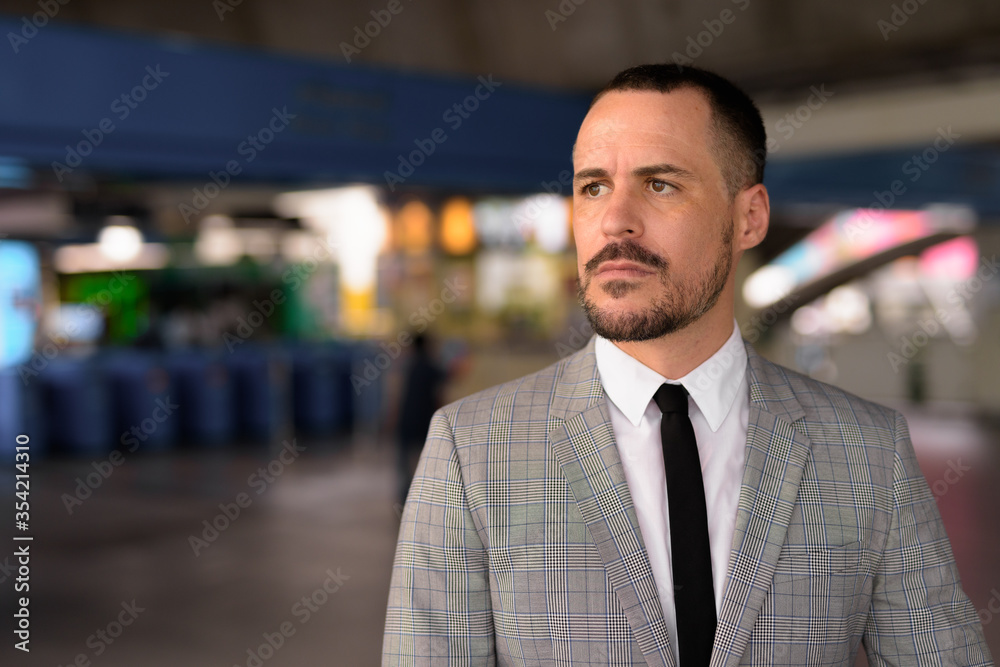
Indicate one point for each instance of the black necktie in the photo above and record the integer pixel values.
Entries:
(694, 598)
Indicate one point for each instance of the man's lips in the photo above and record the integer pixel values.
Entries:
(618, 269)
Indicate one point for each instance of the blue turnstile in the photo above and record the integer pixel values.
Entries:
(76, 408)
(314, 389)
(366, 401)
(20, 415)
(143, 406)
(261, 401)
(203, 392)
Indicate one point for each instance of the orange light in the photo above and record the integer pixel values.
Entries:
(458, 233)
(414, 226)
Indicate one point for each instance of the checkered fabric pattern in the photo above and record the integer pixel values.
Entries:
(519, 542)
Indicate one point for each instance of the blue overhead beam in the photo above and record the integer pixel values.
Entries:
(899, 178)
(166, 108)
(68, 90)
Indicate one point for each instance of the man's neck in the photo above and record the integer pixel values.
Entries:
(675, 355)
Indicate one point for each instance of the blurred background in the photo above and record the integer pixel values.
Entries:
(236, 234)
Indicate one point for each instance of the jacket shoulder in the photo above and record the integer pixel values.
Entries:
(821, 402)
(530, 395)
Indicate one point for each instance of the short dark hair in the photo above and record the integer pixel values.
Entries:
(739, 136)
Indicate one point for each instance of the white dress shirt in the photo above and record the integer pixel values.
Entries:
(719, 408)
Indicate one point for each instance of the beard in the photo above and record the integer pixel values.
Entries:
(677, 306)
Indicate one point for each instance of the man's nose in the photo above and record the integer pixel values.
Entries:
(621, 218)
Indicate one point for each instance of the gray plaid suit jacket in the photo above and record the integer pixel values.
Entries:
(519, 543)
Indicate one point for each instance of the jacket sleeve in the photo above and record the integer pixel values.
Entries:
(439, 610)
(919, 613)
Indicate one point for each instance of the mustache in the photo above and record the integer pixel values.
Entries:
(627, 250)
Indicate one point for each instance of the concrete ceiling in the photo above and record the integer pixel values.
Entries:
(767, 45)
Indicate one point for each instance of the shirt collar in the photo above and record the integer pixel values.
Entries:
(630, 385)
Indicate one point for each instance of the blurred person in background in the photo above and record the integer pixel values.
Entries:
(666, 496)
(422, 391)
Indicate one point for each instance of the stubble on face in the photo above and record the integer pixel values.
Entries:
(678, 304)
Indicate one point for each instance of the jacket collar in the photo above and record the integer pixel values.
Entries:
(776, 455)
(584, 444)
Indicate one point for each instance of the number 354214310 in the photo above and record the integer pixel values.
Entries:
(22, 485)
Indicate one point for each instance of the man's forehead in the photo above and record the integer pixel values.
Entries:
(636, 119)
(636, 141)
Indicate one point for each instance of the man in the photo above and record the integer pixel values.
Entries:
(554, 520)
(423, 385)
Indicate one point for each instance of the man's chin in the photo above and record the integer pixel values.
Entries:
(623, 327)
(620, 297)
(619, 308)
(631, 318)
(617, 290)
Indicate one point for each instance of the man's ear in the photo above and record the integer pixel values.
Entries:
(753, 213)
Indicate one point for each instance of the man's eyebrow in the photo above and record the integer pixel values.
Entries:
(594, 172)
(664, 169)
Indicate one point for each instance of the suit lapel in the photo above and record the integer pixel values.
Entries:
(584, 445)
(776, 454)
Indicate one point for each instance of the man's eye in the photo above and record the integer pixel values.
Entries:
(593, 190)
(659, 186)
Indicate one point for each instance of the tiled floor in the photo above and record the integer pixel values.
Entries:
(322, 530)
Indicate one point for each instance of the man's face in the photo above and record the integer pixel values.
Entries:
(652, 218)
